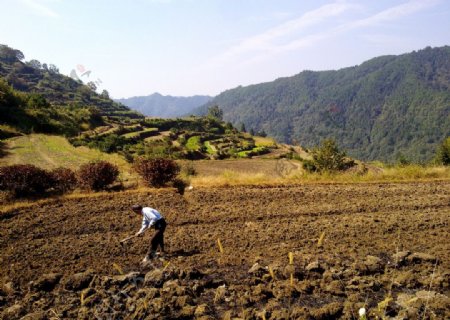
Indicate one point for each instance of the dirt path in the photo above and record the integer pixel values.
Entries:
(44, 154)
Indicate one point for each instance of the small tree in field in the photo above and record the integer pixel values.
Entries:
(328, 158)
(97, 175)
(443, 153)
(157, 172)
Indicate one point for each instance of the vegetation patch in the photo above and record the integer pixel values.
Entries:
(157, 172)
(194, 143)
(97, 175)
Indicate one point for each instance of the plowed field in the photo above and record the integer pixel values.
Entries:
(384, 247)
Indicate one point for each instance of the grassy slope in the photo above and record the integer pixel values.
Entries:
(50, 152)
(54, 151)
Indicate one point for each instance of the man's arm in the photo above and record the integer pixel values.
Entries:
(145, 225)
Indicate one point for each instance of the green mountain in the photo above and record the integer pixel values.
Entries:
(157, 105)
(34, 96)
(385, 108)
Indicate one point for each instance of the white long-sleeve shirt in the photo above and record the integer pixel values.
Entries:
(149, 217)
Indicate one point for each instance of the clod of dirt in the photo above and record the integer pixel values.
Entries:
(305, 286)
(154, 278)
(281, 314)
(315, 266)
(362, 283)
(8, 289)
(406, 279)
(173, 288)
(412, 304)
(261, 291)
(370, 265)
(79, 281)
(300, 313)
(39, 315)
(190, 274)
(329, 311)
(46, 283)
(335, 287)
(400, 257)
(183, 301)
(13, 312)
(188, 311)
(89, 297)
(200, 310)
(288, 270)
(419, 257)
(124, 279)
(257, 270)
(442, 280)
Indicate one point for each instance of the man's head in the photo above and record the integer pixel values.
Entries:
(137, 208)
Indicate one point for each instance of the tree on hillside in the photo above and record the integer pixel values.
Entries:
(10, 55)
(443, 153)
(92, 85)
(243, 127)
(262, 133)
(215, 112)
(53, 69)
(105, 94)
(35, 64)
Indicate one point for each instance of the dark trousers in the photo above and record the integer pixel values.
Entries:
(158, 237)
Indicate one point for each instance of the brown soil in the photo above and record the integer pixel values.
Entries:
(384, 247)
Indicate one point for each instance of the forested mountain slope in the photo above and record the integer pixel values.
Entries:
(387, 107)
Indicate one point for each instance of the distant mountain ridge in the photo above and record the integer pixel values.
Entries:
(157, 105)
(385, 108)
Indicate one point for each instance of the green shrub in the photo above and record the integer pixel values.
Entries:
(157, 172)
(328, 158)
(443, 153)
(309, 166)
(97, 175)
(25, 180)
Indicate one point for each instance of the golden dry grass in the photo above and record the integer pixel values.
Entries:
(270, 176)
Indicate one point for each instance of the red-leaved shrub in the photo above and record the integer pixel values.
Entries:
(157, 172)
(97, 175)
(25, 180)
(180, 185)
(64, 180)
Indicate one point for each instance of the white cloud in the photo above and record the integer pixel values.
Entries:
(263, 46)
(393, 13)
(263, 41)
(39, 8)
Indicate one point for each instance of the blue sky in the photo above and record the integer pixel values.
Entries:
(187, 47)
